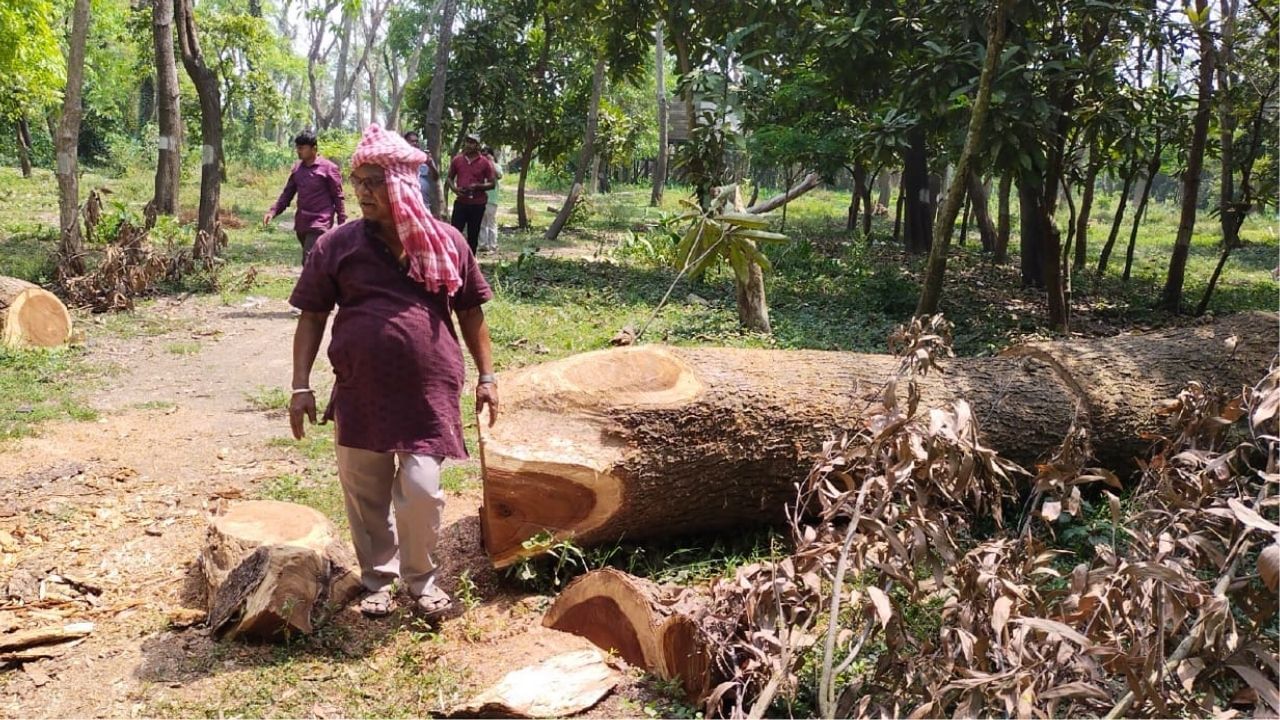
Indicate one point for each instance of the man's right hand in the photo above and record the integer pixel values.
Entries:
(303, 403)
(266, 219)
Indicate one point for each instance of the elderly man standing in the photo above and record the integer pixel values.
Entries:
(318, 184)
(397, 276)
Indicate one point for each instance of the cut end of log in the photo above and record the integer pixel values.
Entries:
(548, 466)
(561, 686)
(633, 618)
(31, 316)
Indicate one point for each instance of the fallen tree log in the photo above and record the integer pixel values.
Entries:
(274, 568)
(648, 441)
(31, 316)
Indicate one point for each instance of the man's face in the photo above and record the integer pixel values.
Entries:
(306, 153)
(470, 146)
(370, 183)
(412, 139)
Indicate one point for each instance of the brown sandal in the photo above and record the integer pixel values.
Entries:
(434, 602)
(376, 604)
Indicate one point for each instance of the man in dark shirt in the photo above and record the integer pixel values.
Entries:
(398, 278)
(470, 176)
(318, 184)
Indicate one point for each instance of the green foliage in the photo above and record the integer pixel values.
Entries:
(32, 71)
(722, 235)
(36, 386)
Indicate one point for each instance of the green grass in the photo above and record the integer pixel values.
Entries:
(268, 398)
(41, 385)
(182, 348)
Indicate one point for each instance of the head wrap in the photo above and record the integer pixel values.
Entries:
(432, 253)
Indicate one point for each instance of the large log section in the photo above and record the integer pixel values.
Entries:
(31, 316)
(648, 441)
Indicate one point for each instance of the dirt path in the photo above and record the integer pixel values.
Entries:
(119, 506)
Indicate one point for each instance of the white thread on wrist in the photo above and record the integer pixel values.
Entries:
(299, 391)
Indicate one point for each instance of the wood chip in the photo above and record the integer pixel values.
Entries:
(564, 685)
(44, 636)
(38, 676)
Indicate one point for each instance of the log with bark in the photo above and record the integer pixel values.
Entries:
(274, 568)
(31, 316)
(649, 441)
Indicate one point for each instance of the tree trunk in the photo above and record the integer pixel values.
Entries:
(208, 232)
(1105, 255)
(1086, 208)
(981, 212)
(24, 146)
(660, 76)
(588, 152)
(1031, 247)
(753, 310)
(884, 186)
(67, 143)
(1003, 220)
(168, 165)
(898, 209)
(917, 213)
(809, 182)
(522, 213)
(272, 569)
(964, 221)
(655, 441)
(866, 209)
(855, 196)
(1171, 298)
(1139, 213)
(31, 316)
(1230, 211)
(931, 293)
(435, 106)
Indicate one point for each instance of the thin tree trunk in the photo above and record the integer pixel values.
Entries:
(435, 106)
(1105, 255)
(1086, 208)
(917, 215)
(866, 208)
(981, 213)
(70, 242)
(898, 208)
(1171, 298)
(1064, 267)
(1003, 220)
(1139, 213)
(964, 219)
(931, 293)
(588, 151)
(168, 164)
(1031, 241)
(210, 94)
(24, 146)
(522, 213)
(660, 77)
(859, 173)
(884, 187)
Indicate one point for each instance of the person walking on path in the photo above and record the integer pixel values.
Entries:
(471, 175)
(427, 172)
(398, 277)
(489, 227)
(318, 184)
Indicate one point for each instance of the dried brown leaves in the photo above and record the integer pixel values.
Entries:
(907, 594)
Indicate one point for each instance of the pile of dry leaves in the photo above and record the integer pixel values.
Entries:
(911, 593)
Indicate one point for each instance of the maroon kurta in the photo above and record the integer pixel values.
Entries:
(472, 171)
(320, 198)
(396, 359)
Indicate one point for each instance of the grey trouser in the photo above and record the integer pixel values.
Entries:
(394, 504)
(308, 241)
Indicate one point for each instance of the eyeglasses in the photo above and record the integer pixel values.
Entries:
(367, 184)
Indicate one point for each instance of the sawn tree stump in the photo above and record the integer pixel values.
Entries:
(648, 441)
(31, 316)
(274, 568)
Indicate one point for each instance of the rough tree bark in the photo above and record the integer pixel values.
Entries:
(931, 293)
(210, 94)
(67, 142)
(649, 441)
(981, 212)
(31, 316)
(917, 213)
(1171, 297)
(1003, 219)
(435, 105)
(588, 152)
(1086, 207)
(1130, 172)
(272, 569)
(660, 77)
(168, 163)
(23, 137)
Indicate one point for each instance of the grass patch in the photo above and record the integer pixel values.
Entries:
(268, 399)
(182, 348)
(41, 385)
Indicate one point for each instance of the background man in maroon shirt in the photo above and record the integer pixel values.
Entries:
(470, 176)
(318, 184)
(398, 277)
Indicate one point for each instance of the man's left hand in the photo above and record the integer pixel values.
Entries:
(487, 395)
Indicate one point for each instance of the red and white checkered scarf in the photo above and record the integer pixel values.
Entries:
(433, 256)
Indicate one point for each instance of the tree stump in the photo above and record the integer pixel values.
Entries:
(274, 568)
(31, 316)
(651, 441)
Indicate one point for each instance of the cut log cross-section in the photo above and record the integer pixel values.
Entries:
(649, 626)
(31, 316)
(274, 568)
(648, 441)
